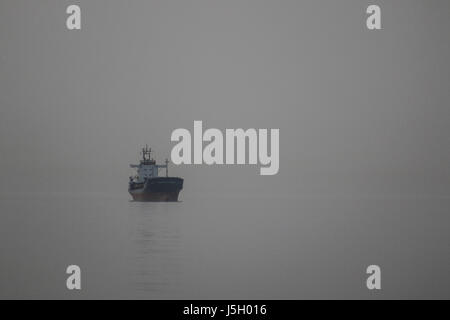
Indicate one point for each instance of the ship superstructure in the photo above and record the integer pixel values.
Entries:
(147, 185)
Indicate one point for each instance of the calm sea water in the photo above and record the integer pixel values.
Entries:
(223, 247)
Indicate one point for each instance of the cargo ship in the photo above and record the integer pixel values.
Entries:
(147, 185)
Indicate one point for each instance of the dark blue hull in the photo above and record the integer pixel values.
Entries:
(160, 189)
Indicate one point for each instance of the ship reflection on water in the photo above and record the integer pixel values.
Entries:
(157, 250)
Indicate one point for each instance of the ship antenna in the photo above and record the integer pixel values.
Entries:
(146, 152)
(167, 167)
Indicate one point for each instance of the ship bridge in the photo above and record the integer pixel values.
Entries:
(147, 168)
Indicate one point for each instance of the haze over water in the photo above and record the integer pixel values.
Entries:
(222, 247)
(364, 124)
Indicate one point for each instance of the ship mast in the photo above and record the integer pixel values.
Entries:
(146, 153)
(167, 167)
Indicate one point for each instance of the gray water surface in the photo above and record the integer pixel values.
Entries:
(223, 247)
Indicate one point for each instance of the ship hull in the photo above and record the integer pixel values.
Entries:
(161, 189)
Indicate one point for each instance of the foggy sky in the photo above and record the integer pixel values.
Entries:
(358, 111)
